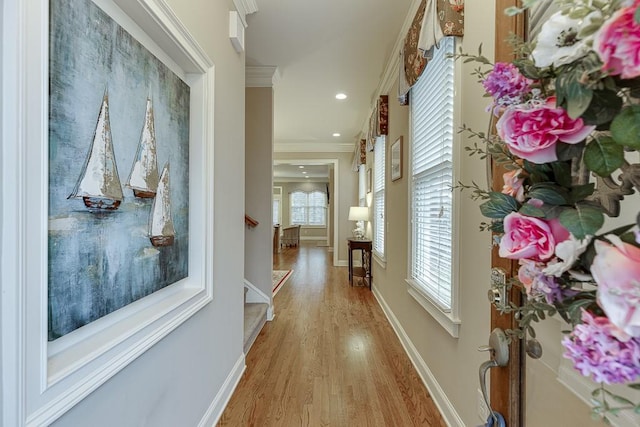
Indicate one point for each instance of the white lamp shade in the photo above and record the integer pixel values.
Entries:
(358, 213)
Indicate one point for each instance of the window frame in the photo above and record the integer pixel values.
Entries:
(379, 190)
(448, 318)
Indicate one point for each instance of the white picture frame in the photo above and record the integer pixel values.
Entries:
(42, 380)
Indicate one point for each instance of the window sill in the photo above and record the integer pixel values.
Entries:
(380, 260)
(447, 320)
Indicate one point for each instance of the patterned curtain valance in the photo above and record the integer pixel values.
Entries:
(379, 121)
(360, 155)
(434, 20)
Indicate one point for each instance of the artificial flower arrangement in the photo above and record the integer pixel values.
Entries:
(568, 123)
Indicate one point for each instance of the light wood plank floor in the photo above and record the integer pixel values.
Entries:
(329, 358)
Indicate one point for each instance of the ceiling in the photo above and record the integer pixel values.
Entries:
(321, 48)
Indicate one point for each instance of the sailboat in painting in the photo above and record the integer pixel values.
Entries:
(143, 179)
(99, 182)
(161, 230)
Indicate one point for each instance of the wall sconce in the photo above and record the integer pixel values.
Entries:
(360, 214)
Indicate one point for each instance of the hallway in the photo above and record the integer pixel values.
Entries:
(329, 357)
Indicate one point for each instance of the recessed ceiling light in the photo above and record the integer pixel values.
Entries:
(336, 134)
(341, 96)
(307, 177)
(301, 167)
(304, 173)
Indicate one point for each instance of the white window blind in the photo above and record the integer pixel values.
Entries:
(276, 211)
(298, 210)
(432, 177)
(308, 208)
(317, 208)
(378, 195)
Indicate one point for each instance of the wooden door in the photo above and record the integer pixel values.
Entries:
(507, 383)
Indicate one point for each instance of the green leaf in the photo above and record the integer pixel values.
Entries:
(499, 205)
(562, 173)
(581, 192)
(530, 210)
(625, 128)
(551, 195)
(636, 16)
(603, 156)
(621, 400)
(572, 95)
(582, 221)
(569, 151)
(604, 106)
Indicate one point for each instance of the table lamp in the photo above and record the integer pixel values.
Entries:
(360, 214)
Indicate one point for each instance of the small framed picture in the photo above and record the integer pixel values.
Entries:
(396, 159)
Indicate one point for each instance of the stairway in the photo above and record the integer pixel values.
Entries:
(255, 316)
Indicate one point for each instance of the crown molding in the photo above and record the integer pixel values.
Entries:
(244, 8)
(312, 147)
(393, 62)
(266, 76)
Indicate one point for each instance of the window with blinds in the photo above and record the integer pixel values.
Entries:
(432, 177)
(378, 195)
(308, 208)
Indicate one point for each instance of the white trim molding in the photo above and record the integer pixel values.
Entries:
(219, 403)
(446, 408)
(312, 147)
(41, 380)
(244, 8)
(261, 76)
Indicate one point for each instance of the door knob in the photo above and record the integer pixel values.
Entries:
(499, 356)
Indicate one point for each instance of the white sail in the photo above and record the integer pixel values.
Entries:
(161, 230)
(99, 178)
(143, 178)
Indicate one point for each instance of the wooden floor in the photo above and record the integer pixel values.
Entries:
(329, 358)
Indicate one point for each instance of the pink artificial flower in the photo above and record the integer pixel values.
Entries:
(618, 44)
(616, 270)
(513, 184)
(506, 85)
(598, 349)
(530, 238)
(531, 131)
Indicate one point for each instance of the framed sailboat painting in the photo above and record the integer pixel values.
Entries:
(117, 231)
(109, 220)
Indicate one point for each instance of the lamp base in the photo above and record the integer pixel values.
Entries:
(358, 233)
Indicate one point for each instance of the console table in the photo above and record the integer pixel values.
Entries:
(364, 246)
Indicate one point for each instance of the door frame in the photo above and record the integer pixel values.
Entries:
(507, 383)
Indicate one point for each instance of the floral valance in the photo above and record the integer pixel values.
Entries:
(434, 20)
(360, 155)
(379, 121)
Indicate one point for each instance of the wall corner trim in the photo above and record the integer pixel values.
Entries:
(441, 400)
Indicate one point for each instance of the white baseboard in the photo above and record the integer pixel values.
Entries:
(214, 412)
(446, 408)
(271, 313)
(313, 238)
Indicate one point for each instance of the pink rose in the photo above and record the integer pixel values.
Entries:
(513, 185)
(531, 132)
(618, 44)
(529, 237)
(616, 269)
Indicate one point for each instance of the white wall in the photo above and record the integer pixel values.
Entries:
(258, 259)
(176, 381)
